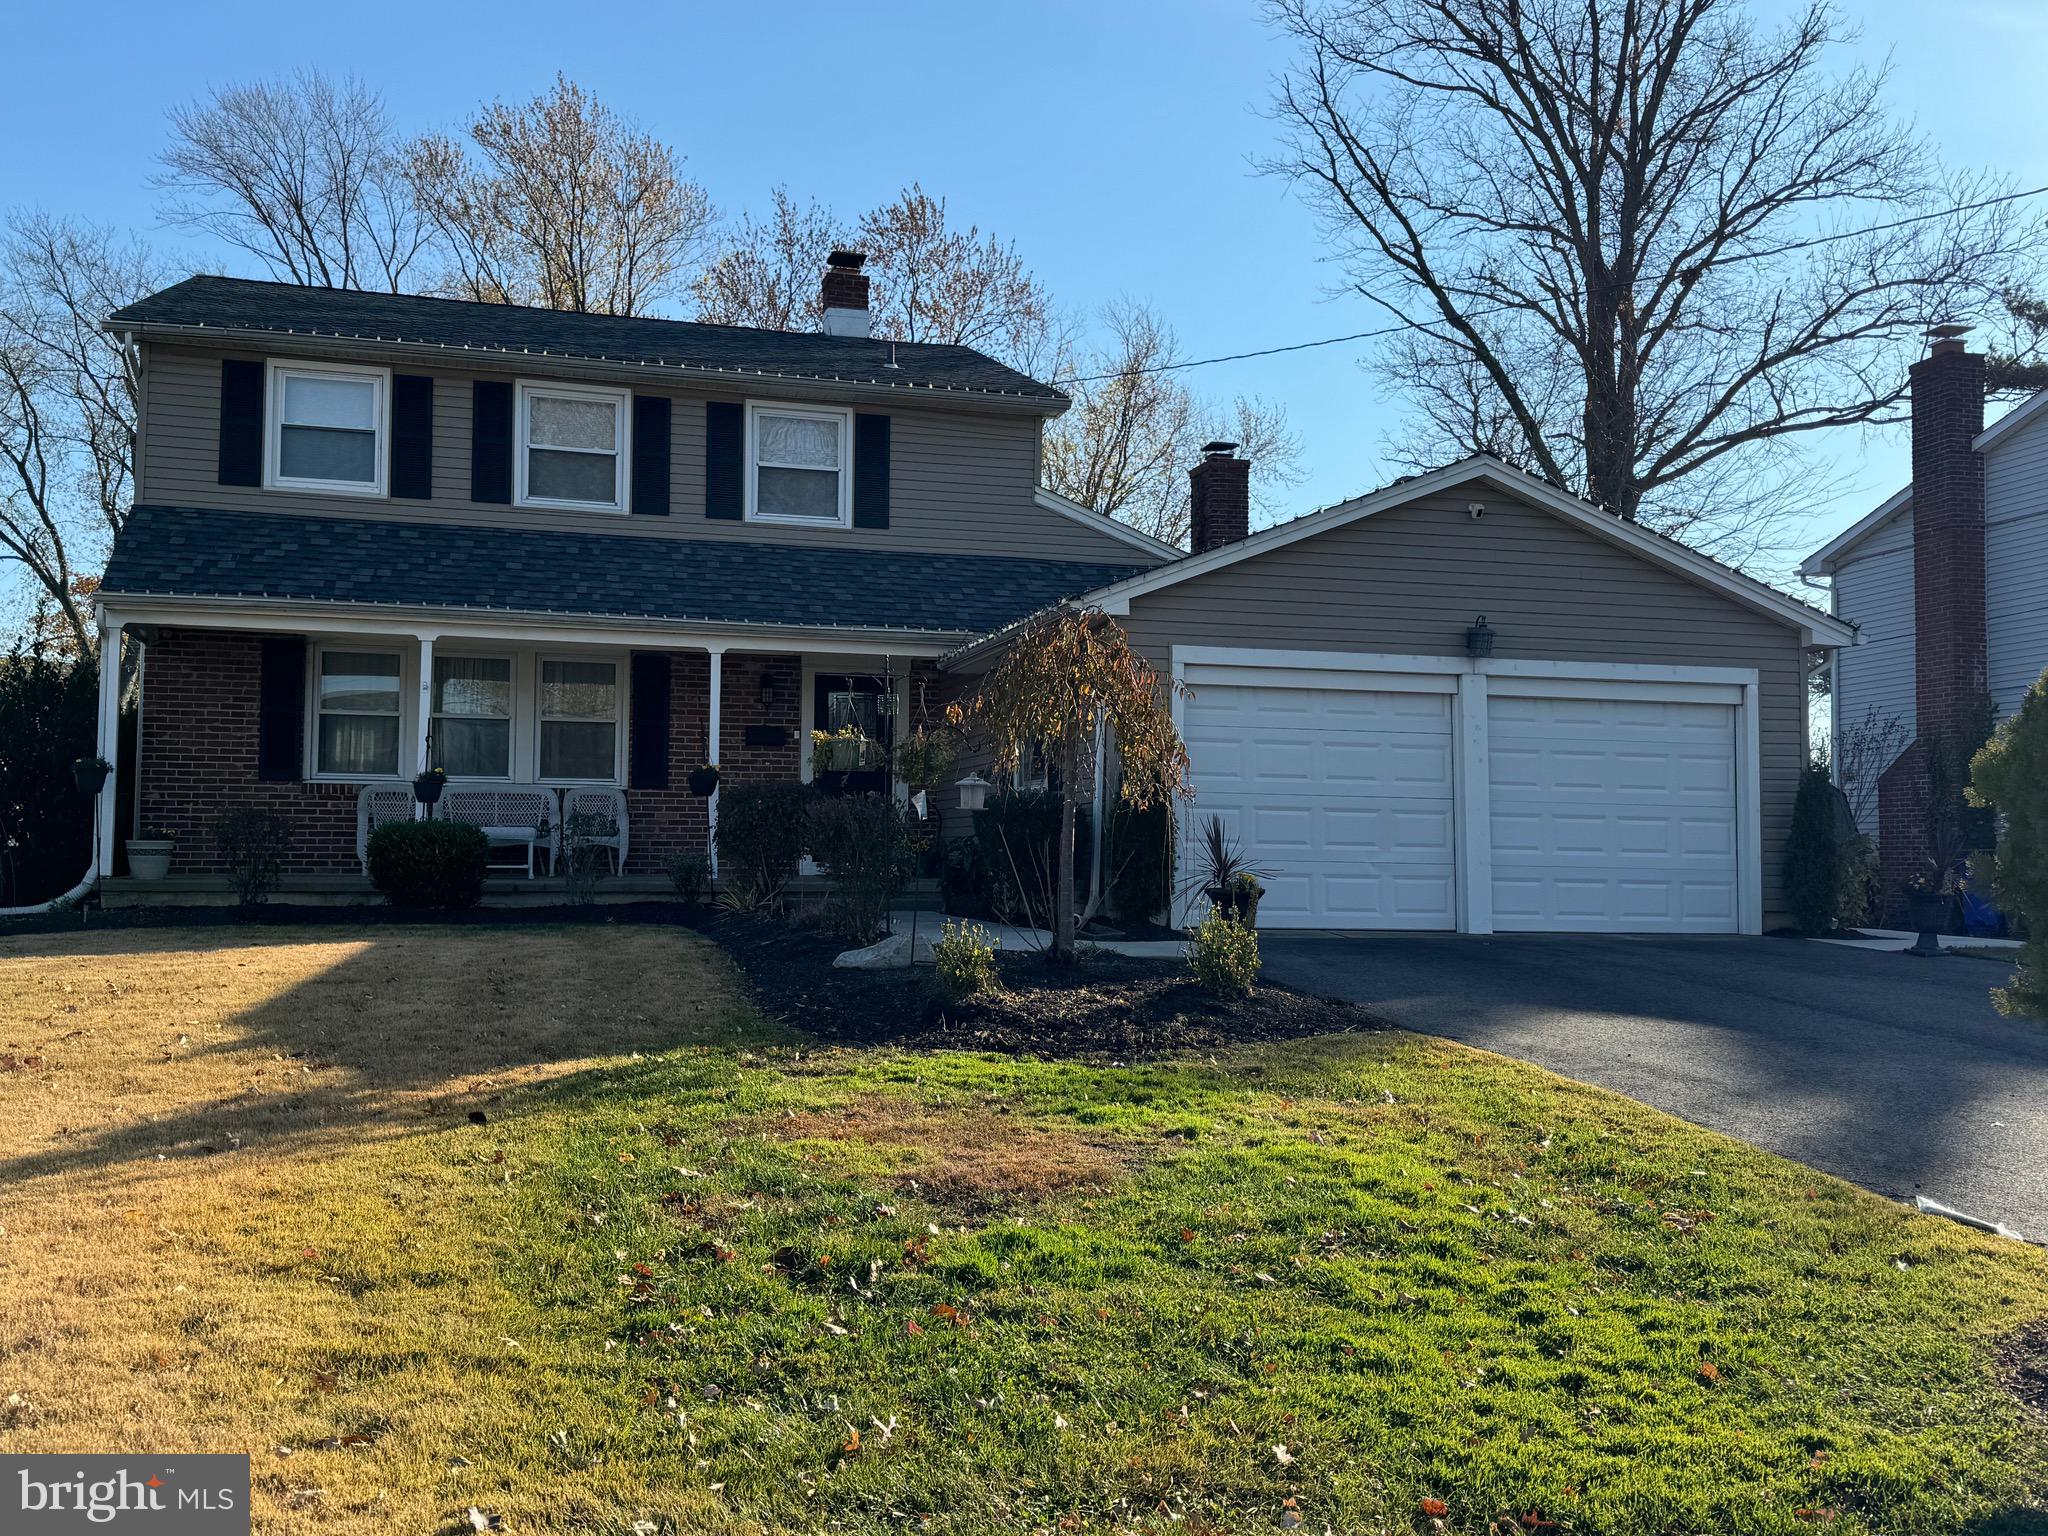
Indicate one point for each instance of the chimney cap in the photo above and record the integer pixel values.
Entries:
(845, 260)
(1218, 449)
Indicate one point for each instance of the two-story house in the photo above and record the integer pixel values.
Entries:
(1947, 583)
(567, 554)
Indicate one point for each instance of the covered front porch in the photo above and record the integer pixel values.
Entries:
(327, 718)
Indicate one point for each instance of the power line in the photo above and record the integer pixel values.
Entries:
(1411, 325)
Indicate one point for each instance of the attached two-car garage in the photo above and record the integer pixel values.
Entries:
(1436, 793)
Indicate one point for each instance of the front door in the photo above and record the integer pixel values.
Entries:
(851, 708)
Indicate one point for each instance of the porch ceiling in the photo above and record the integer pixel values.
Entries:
(191, 552)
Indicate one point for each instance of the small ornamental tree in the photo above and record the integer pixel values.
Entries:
(2011, 773)
(1064, 677)
(1812, 859)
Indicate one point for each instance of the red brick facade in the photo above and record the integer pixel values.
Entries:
(198, 754)
(1219, 498)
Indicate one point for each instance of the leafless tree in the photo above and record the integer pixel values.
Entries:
(1598, 221)
(1861, 751)
(301, 173)
(560, 202)
(67, 403)
(1136, 429)
(766, 274)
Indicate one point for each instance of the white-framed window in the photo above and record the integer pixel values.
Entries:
(357, 704)
(472, 723)
(571, 447)
(799, 465)
(329, 426)
(579, 720)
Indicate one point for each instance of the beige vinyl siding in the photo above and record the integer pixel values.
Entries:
(2016, 562)
(959, 482)
(1409, 580)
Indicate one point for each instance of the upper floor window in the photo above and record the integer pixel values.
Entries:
(572, 447)
(328, 428)
(798, 461)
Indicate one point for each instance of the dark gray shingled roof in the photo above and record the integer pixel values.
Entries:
(238, 304)
(192, 552)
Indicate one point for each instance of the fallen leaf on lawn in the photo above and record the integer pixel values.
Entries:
(852, 1441)
(1436, 1509)
(479, 1521)
(1290, 1514)
(1282, 1455)
(1709, 1372)
(1187, 1234)
(910, 1326)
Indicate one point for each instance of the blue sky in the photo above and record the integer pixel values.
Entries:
(1114, 143)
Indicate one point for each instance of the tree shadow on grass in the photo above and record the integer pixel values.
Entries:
(129, 1048)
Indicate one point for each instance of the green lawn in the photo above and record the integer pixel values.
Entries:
(714, 1279)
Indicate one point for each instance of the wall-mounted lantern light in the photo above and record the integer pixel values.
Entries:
(973, 792)
(768, 690)
(1479, 638)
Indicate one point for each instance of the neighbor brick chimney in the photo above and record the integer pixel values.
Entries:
(845, 292)
(1948, 534)
(1219, 498)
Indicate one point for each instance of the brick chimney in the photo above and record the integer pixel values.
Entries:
(1948, 534)
(1219, 498)
(845, 292)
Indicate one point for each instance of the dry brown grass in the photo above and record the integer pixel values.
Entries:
(218, 1146)
(971, 1158)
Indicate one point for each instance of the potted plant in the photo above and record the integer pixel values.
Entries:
(837, 751)
(704, 781)
(427, 787)
(150, 849)
(1927, 903)
(89, 773)
(1224, 875)
(924, 757)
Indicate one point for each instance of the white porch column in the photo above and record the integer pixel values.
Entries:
(711, 754)
(109, 741)
(423, 726)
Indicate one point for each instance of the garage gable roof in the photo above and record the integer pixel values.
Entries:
(1819, 628)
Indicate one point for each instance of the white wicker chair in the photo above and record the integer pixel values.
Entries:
(375, 805)
(510, 815)
(609, 804)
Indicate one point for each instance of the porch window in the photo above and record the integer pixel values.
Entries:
(357, 701)
(799, 466)
(572, 447)
(579, 720)
(473, 716)
(328, 429)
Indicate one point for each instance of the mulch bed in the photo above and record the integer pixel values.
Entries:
(1110, 1006)
(2023, 1365)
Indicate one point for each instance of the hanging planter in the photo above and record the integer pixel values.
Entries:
(704, 781)
(427, 787)
(89, 773)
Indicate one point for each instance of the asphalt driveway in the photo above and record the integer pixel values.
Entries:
(1892, 1071)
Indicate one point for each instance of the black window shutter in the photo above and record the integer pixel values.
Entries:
(648, 768)
(412, 436)
(725, 452)
(241, 422)
(490, 442)
(281, 710)
(650, 454)
(870, 471)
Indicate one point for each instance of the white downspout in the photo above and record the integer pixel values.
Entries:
(108, 747)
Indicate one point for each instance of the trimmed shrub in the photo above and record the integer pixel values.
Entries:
(48, 717)
(859, 843)
(252, 844)
(690, 873)
(429, 863)
(761, 834)
(1139, 861)
(1224, 956)
(1859, 883)
(1018, 834)
(2010, 772)
(1812, 856)
(966, 959)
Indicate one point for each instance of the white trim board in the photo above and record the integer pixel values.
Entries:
(1815, 627)
(2011, 421)
(1088, 517)
(1821, 561)
(1473, 683)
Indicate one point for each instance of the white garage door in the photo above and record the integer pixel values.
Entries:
(1612, 815)
(1346, 794)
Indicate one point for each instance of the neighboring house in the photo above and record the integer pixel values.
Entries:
(1947, 584)
(563, 553)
